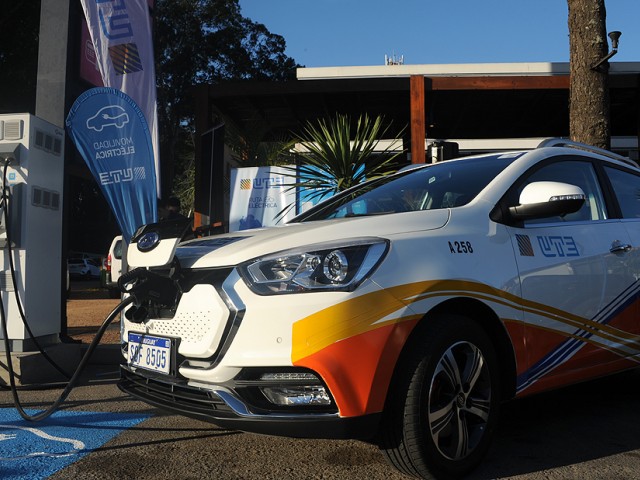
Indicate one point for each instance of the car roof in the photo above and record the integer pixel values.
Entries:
(562, 142)
(577, 147)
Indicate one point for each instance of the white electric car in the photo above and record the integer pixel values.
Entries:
(83, 268)
(405, 309)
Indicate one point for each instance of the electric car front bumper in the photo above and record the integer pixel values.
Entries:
(223, 406)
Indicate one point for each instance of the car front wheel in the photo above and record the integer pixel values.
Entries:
(444, 402)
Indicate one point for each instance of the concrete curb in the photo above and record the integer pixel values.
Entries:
(33, 368)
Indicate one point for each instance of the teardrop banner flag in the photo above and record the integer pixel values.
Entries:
(121, 35)
(111, 133)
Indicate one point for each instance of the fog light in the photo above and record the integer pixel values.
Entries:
(297, 395)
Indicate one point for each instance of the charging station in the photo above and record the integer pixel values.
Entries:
(34, 150)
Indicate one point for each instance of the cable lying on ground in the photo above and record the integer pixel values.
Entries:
(76, 376)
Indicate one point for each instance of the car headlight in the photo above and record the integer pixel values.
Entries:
(336, 267)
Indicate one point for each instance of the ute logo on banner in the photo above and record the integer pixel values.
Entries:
(259, 195)
(112, 136)
(121, 36)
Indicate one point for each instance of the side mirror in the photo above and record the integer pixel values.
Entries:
(547, 199)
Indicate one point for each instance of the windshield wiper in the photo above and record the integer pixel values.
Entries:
(370, 214)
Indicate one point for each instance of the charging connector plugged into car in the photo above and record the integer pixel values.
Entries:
(148, 288)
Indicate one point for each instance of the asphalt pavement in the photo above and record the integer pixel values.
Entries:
(587, 431)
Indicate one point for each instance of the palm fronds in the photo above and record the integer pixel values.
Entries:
(334, 156)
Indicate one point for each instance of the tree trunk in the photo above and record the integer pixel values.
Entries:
(589, 98)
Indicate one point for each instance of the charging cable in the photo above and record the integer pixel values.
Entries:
(76, 376)
(5, 203)
(140, 287)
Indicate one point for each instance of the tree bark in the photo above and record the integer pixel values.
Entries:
(589, 91)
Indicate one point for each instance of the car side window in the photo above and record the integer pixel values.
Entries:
(581, 174)
(626, 187)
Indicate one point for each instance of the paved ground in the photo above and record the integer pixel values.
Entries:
(589, 431)
(584, 432)
(87, 307)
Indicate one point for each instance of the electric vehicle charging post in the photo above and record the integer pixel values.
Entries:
(32, 166)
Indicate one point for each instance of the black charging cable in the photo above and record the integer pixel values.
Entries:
(76, 376)
(6, 203)
(140, 287)
(73, 380)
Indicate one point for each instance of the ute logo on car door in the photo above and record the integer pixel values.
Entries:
(567, 265)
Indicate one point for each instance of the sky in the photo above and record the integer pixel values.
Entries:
(327, 33)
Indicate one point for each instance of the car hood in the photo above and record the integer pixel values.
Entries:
(235, 248)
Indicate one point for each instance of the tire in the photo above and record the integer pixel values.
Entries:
(443, 404)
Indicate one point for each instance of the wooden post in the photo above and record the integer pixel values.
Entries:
(202, 124)
(418, 130)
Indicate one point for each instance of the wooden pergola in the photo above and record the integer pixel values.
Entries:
(432, 102)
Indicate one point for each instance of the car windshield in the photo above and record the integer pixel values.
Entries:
(442, 185)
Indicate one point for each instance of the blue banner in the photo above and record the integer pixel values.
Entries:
(123, 47)
(112, 136)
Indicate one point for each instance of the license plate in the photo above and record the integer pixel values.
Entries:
(151, 353)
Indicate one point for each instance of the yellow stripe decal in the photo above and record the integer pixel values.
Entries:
(366, 312)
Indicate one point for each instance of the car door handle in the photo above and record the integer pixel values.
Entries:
(619, 247)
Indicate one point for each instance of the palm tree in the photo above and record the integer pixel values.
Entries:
(334, 156)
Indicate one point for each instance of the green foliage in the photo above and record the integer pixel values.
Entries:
(339, 154)
(249, 148)
(208, 41)
(184, 179)
(205, 41)
(338, 157)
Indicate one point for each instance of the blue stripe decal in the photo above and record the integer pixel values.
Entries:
(571, 346)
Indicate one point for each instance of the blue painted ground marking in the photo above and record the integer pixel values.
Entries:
(35, 450)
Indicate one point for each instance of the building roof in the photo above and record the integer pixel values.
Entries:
(538, 69)
(461, 100)
(468, 101)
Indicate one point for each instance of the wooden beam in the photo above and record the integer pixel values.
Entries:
(559, 82)
(418, 129)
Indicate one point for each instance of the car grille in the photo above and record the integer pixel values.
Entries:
(179, 398)
(193, 327)
(190, 327)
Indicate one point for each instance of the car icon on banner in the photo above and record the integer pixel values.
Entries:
(112, 115)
